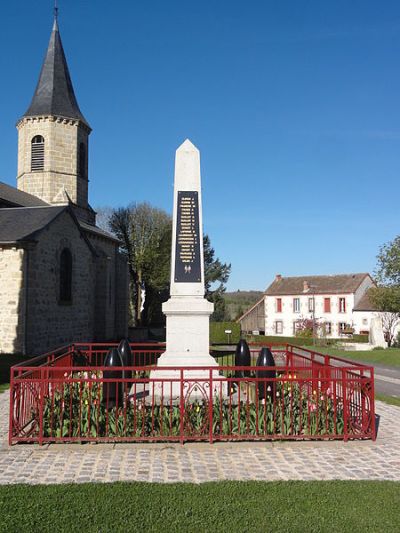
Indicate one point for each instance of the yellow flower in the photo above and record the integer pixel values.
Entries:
(197, 409)
(294, 376)
(86, 402)
(314, 392)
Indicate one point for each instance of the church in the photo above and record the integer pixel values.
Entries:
(62, 278)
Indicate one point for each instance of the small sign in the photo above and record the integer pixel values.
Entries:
(228, 331)
(187, 254)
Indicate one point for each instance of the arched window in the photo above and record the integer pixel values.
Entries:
(37, 153)
(65, 276)
(82, 160)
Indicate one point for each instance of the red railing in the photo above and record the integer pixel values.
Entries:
(310, 396)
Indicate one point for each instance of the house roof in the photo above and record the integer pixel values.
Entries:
(365, 304)
(258, 302)
(54, 94)
(16, 198)
(336, 284)
(23, 223)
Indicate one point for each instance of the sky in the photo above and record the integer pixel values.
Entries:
(294, 106)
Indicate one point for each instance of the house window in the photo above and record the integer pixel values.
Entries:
(310, 305)
(328, 328)
(365, 321)
(82, 160)
(279, 327)
(66, 276)
(327, 305)
(37, 153)
(342, 327)
(342, 305)
(294, 327)
(296, 305)
(278, 305)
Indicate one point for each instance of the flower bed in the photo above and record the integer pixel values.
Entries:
(308, 398)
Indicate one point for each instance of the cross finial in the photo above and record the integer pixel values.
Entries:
(55, 10)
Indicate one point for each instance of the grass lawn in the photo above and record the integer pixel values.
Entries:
(390, 356)
(392, 400)
(225, 506)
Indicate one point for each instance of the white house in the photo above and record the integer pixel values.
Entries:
(339, 302)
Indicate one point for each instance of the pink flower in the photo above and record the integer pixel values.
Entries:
(312, 407)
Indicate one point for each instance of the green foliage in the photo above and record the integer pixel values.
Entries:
(304, 341)
(218, 335)
(391, 400)
(77, 409)
(226, 506)
(216, 275)
(388, 356)
(236, 303)
(387, 271)
(145, 233)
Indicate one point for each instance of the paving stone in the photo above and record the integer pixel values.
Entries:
(202, 462)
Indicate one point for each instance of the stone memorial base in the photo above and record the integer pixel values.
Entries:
(187, 346)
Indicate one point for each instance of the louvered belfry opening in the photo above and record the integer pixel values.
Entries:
(37, 153)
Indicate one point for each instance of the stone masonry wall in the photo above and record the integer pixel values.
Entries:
(51, 323)
(12, 309)
(61, 158)
(111, 310)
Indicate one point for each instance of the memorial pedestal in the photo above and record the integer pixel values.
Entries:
(187, 311)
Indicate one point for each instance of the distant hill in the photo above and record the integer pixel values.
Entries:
(239, 301)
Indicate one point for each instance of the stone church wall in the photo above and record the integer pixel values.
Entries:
(51, 323)
(111, 279)
(12, 301)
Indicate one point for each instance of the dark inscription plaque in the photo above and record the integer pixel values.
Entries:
(187, 256)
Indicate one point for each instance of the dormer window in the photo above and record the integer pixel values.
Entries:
(82, 160)
(37, 153)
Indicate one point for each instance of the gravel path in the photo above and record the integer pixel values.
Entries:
(166, 463)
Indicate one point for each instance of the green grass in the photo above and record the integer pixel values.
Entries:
(336, 506)
(390, 356)
(391, 400)
(4, 387)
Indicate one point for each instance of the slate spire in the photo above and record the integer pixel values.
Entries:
(54, 94)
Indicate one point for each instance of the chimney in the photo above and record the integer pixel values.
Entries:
(306, 286)
(278, 277)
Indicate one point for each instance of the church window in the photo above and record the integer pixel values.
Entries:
(82, 160)
(65, 276)
(37, 153)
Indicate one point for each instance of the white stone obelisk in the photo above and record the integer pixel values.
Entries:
(187, 311)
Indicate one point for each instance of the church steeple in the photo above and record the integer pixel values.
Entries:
(54, 94)
(53, 137)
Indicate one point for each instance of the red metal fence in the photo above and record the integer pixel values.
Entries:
(310, 396)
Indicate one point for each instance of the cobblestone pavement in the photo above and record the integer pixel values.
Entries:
(201, 462)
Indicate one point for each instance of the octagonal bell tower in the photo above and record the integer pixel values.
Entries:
(53, 137)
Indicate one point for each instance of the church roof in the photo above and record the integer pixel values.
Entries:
(15, 198)
(54, 94)
(97, 231)
(22, 223)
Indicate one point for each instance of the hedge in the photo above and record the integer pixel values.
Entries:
(305, 341)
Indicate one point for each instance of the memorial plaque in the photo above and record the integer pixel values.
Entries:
(187, 256)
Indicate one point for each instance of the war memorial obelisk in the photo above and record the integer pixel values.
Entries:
(187, 311)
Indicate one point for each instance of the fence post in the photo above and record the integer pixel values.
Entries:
(10, 428)
(210, 409)
(372, 403)
(41, 404)
(345, 407)
(181, 407)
